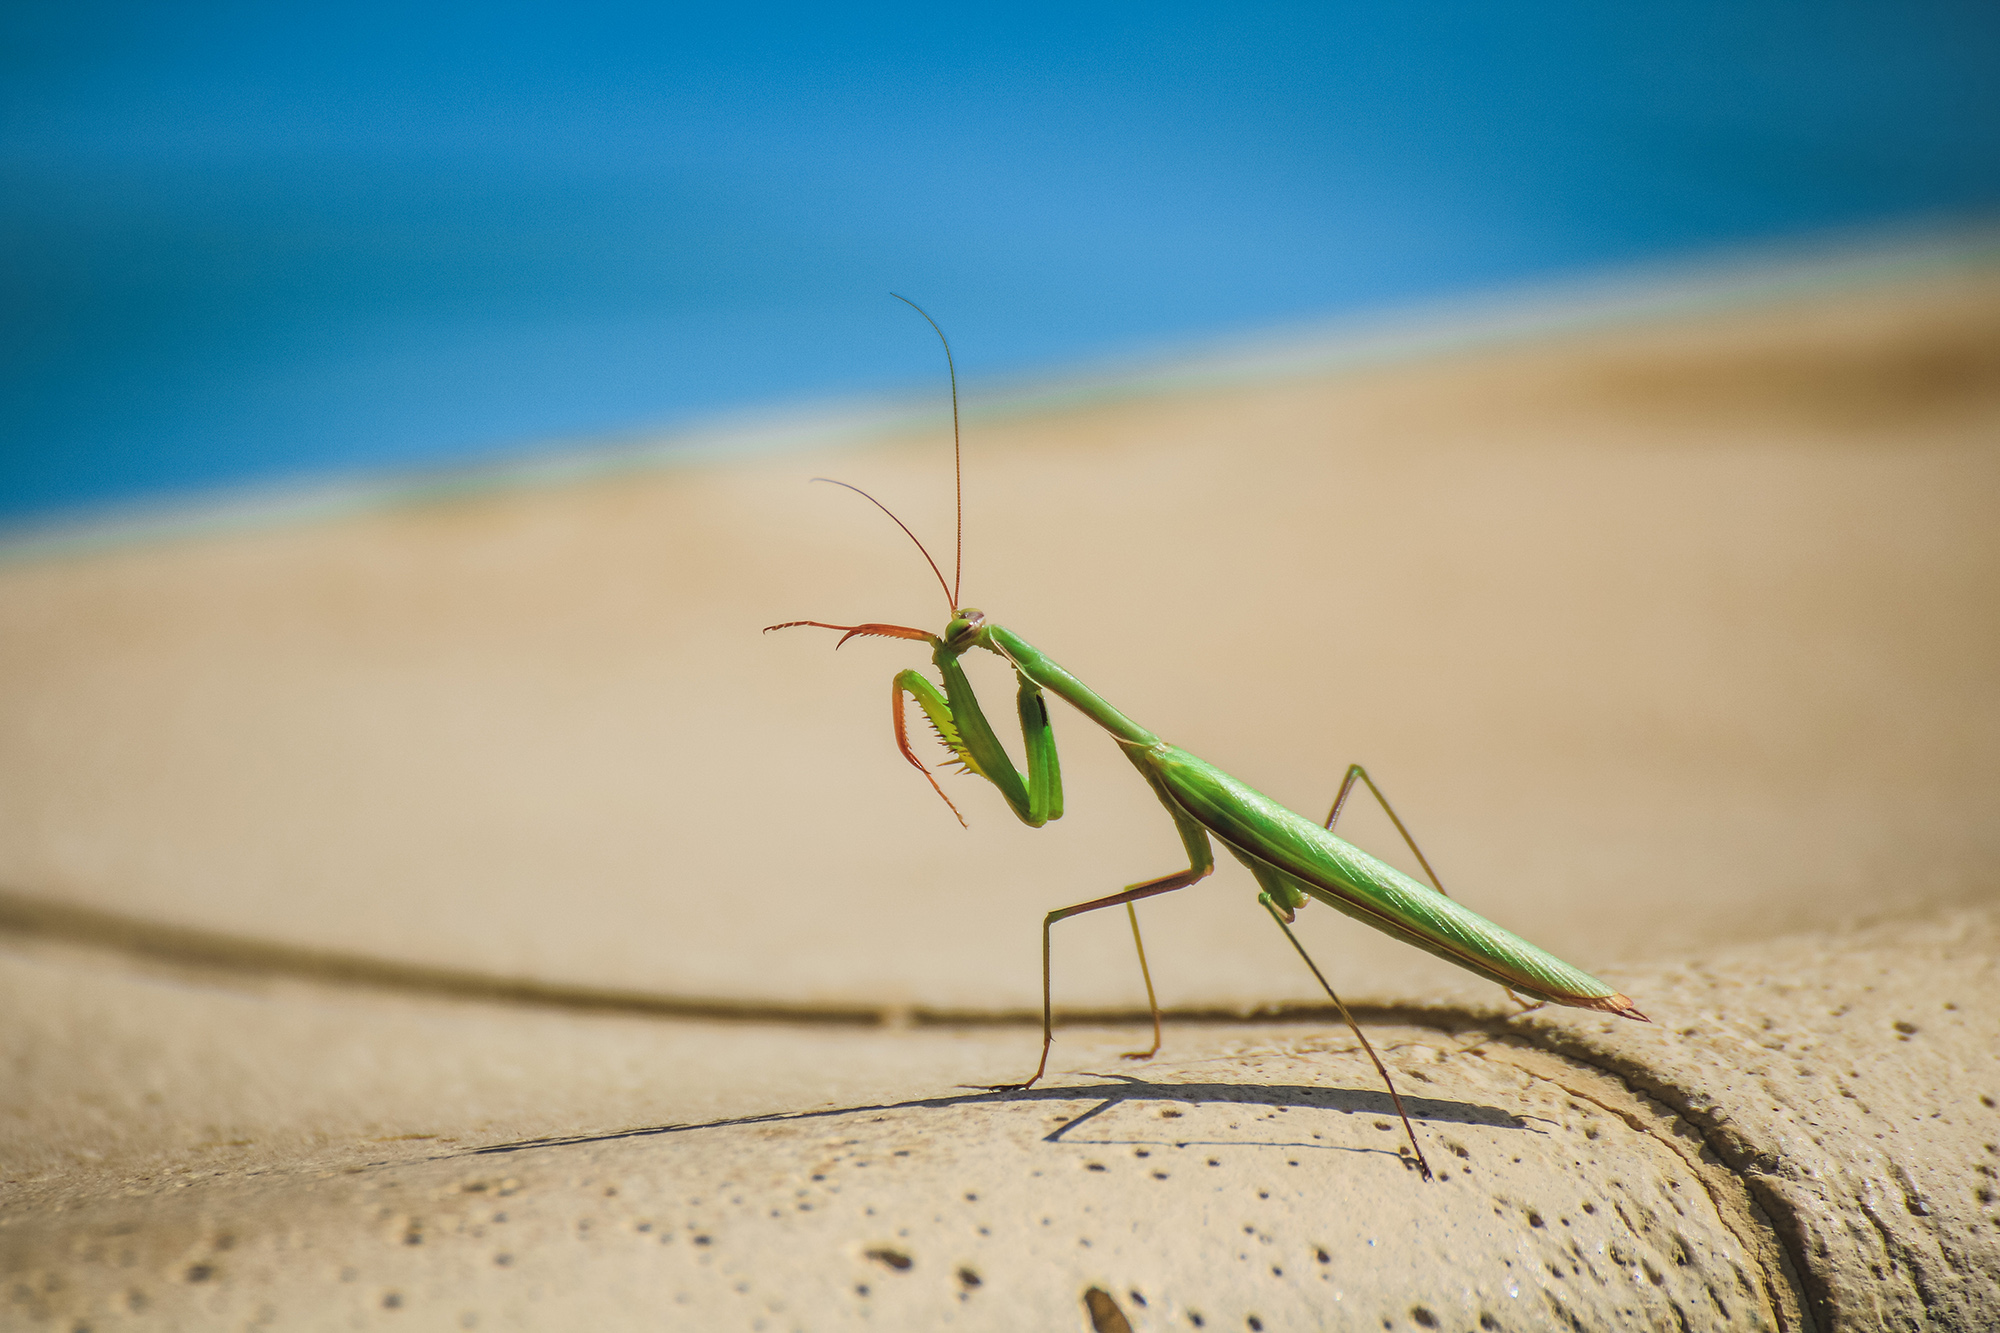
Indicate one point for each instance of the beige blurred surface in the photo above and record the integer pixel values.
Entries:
(1661, 636)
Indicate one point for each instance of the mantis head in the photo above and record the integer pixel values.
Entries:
(963, 631)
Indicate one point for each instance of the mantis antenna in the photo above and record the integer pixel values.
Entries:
(957, 456)
(957, 478)
(906, 532)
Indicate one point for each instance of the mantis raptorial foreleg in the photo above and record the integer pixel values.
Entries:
(955, 715)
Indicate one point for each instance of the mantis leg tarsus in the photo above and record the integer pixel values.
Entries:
(1423, 1167)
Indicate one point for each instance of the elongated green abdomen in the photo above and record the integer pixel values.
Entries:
(1350, 880)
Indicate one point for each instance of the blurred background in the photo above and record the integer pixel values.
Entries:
(242, 243)
(1587, 417)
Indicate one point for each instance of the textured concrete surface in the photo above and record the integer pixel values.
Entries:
(1853, 1081)
(1808, 1138)
(458, 916)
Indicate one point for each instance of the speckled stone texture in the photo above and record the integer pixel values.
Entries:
(1807, 1139)
(1853, 1083)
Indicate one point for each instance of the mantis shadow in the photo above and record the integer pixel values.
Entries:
(1114, 1091)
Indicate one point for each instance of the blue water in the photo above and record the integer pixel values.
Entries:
(245, 242)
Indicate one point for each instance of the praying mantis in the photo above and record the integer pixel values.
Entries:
(1294, 860)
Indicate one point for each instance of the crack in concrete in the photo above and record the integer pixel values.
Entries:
(1898, 1255)
(1754, 1166)
(1785, 1295)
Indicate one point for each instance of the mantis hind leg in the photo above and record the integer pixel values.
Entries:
(1347, 787)
(1276, 891)
(1355, 771)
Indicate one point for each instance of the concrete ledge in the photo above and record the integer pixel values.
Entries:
(1805, 1139)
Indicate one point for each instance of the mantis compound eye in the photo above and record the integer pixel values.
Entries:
(962, 624)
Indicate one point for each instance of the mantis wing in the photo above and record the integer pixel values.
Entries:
(1306, 857)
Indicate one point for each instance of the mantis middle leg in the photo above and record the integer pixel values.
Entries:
(1201, 861)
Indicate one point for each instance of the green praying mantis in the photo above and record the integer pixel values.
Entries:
(1294, 860)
